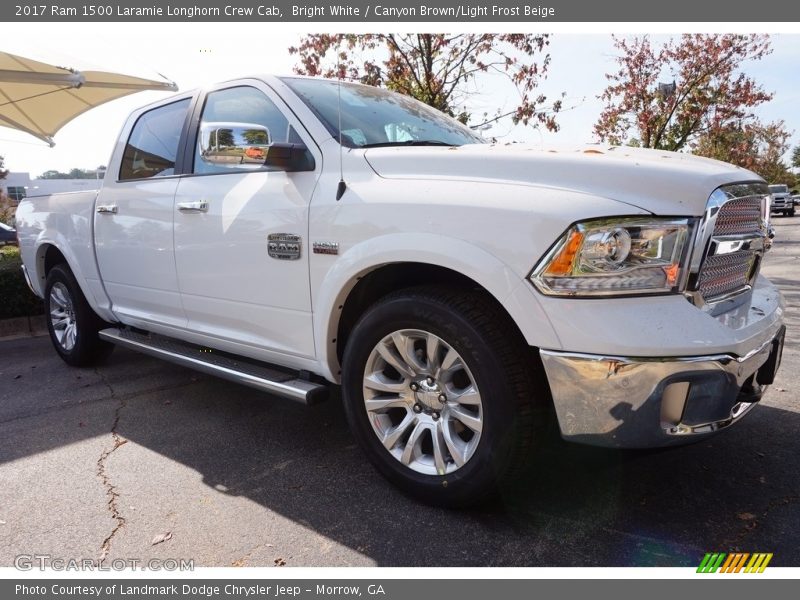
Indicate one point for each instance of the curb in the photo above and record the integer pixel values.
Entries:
(22, 327)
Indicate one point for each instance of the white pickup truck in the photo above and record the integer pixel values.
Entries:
(782, 200)
(293, 234)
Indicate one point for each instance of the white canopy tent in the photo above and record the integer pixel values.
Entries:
(40, 98)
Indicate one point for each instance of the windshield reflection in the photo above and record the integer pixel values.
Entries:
(377, 117)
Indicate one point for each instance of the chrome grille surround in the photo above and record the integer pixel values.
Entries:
(730, 243)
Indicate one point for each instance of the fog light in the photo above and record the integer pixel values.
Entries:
(673, 401)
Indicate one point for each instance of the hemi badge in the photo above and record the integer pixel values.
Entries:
(326, 247)
(284, 246)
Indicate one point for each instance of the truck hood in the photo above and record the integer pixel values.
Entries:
(664, 183)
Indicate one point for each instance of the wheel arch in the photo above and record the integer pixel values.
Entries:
(358, 281)
(48, 254)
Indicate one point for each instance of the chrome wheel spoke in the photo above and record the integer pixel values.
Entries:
(59, 321)
(450, 363)
(393, 436)
(413, 440)
(383, 404)
(455, 447)
(469, 419)
(69, 335)
(391, 358)
(439, 448)
(468, 396)
(379, 383)
(405, 348)
(432, 352)
(59, 297)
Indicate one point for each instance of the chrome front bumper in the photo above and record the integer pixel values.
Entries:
(648, 402)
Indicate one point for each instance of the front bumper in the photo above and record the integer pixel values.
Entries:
(647, 402)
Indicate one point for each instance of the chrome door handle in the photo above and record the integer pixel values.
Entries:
(107, 209)
(198, 206)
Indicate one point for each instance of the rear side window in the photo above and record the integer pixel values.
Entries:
(153, 143)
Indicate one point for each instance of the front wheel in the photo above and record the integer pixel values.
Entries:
(440, 393)
(71, 322)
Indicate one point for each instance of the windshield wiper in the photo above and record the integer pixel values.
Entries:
(408, 143)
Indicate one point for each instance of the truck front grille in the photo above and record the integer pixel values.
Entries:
(733, 235)
(739, 217)
(726, 273)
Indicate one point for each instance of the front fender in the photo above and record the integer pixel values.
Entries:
(486, 270)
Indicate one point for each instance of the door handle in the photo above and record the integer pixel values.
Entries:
(107, 209)
(198, 206)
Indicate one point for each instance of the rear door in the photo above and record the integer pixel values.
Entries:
(134, 220)
(229, 208)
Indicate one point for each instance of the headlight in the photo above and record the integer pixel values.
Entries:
(615, 256)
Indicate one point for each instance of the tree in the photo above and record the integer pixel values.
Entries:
(437, 69)
(225, 138)
(255, 136)
(6, 210)
(795, 157)
(755, 146)
(707, 89)
(72, 174)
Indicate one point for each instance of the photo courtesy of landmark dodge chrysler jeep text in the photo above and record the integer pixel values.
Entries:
(293, 233)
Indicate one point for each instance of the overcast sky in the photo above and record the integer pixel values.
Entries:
(194, 54)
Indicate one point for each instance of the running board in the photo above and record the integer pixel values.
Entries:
(201, 359)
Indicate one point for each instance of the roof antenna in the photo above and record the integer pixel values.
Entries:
(340, 190)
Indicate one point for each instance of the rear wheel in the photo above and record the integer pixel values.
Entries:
(439, 392)
(72, 323)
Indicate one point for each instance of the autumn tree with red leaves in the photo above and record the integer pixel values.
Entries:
(755, 146)
(667, 96)
(437, 69)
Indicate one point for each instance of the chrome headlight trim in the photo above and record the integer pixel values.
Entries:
(684, 243)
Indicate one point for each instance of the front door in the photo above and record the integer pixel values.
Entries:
(228, 210)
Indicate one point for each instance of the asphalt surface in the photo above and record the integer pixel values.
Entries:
(101, 462)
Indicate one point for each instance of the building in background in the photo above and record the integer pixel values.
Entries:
(17, 186)
(20, 185)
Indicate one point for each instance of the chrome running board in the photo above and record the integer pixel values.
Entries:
(254, 375)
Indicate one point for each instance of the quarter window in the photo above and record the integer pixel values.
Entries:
(153, 144)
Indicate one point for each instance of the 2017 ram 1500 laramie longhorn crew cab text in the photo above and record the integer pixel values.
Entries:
(291, 234)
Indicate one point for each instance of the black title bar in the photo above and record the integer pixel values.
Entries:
(397, 11)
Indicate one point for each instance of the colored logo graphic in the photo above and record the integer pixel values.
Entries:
(736, 562)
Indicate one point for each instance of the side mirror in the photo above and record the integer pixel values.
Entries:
(234, 144)
(289, 157)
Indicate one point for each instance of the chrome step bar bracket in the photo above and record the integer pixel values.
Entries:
(252, 375)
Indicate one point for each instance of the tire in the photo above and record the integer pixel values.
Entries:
(72, 323)
(791, 212)
(491, 358)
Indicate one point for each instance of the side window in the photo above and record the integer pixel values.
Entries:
(153, 143)
(236, 127)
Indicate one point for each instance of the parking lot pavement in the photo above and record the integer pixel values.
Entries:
(100, 462)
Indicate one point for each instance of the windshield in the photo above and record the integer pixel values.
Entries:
(376, 117)
(779, 189)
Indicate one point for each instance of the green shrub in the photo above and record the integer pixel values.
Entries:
(16, 300)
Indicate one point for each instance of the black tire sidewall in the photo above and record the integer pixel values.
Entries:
(479, 476)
